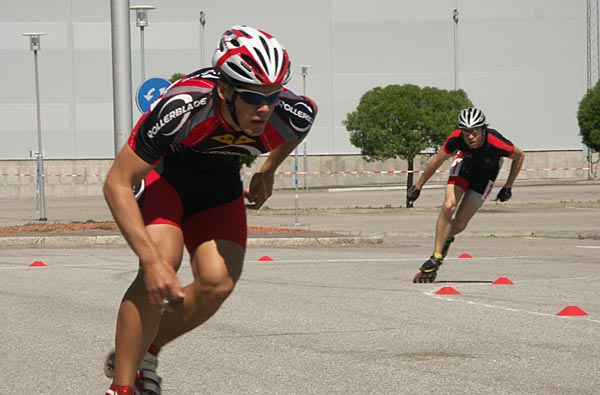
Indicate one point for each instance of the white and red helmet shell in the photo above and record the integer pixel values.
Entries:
(250, 56)
(471, 118)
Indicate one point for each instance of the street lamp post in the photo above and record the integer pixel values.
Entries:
(141, 21)
(455, 18)
(35, 46)
(304, 69)
(202, 21)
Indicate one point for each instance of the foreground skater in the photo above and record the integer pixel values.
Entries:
(183, 156)
(471, 179)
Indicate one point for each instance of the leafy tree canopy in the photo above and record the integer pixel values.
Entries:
(176, 76)
(403, 120)
(588, 118)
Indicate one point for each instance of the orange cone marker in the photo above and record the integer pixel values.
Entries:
(465, 255)
(503, 281)
(572, 311)
(265, 258)
(37, 264)
(447, 291)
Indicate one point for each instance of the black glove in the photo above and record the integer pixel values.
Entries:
(504, 194)
(413, 194)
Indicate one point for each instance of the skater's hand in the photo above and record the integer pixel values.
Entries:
(162, 284)
(412, 194)
(504, 194)
(261, 188)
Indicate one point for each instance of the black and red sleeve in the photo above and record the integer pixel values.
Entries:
(158, 128)
(452, 143)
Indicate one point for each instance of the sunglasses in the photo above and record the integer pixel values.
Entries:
(257, 98)
(474, 132)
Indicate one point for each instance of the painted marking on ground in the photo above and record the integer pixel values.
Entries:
(462, 299)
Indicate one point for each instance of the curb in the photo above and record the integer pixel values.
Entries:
(81, 240)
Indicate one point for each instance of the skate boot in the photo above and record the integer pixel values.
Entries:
(447, 247)
(147, 379)
(428, 270)
(114, 390)
(147, 382)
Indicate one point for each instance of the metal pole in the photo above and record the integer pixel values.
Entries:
(305, 168)
(597, 21)
(202, 23)
(141, 21)
(455, 18)
(40, 155)
(35, 46)
(304, 69)
(121, 71)
(296, 219)
(142, 55)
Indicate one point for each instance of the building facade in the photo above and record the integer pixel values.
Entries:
(522, 61)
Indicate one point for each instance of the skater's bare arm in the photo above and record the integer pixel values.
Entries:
(431, 168)
(261, 184)
(128, 169)
(517, 157)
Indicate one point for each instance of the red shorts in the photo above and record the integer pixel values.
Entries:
(161, 203)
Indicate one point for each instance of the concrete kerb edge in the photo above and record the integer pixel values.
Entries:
(310, 241)
(78, 240)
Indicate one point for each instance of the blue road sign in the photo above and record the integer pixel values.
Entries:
(150, 90)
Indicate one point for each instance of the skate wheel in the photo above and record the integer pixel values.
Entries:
(109, 365)
(421, 277)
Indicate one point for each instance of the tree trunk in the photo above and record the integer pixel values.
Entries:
(409, 180)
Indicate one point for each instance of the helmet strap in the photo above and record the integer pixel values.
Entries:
(231, 108)
(229, 103)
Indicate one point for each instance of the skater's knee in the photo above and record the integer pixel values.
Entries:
(448, 208)
(214, 289)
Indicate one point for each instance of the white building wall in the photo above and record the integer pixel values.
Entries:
(522, 61)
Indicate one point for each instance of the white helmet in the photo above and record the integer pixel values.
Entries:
(250, 56)
(471, 118)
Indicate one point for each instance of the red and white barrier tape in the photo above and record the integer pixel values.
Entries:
(48, 175)
(386, 172)
(374, 172)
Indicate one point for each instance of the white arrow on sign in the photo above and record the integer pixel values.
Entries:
(148, 95)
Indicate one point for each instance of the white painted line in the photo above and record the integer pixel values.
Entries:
(382, 188)
(491, 306)
(398, 259)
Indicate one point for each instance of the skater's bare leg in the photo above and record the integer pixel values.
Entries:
(464, 214)
(217, 265)
(444, 226)
(137, 320)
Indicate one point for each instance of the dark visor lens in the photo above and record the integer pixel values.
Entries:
(257, 98)
(474, 132)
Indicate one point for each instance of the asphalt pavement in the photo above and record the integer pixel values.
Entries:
(332, 318)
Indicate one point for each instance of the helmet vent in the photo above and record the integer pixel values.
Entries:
(264, 44)
(262, 60)
(251, 56)
(251, 62)
(276, 54)
(239, 70)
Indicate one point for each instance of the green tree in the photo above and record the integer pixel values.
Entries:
(589, 124)
(400, 121)
(175, 77)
